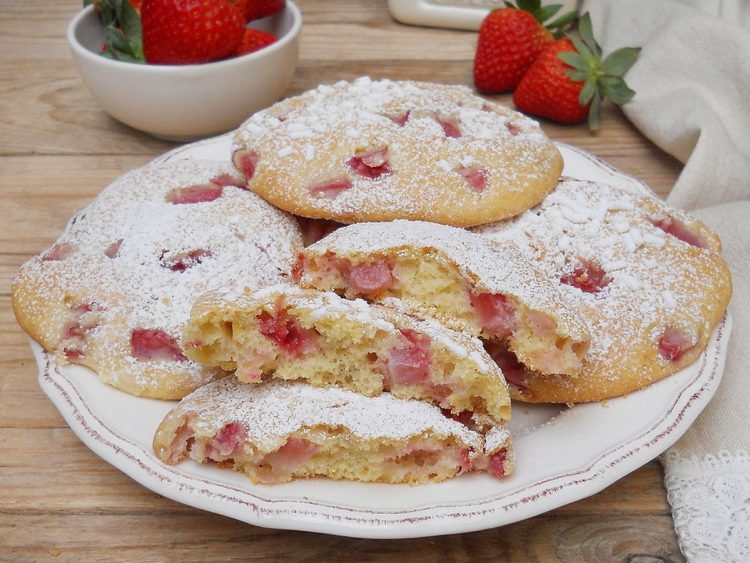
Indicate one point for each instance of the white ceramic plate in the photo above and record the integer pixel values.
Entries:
(563, 454)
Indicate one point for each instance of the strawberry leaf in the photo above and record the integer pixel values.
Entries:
(593, 118)
(588, 91)
(130, 22)
(587, 34)
(529, 5)
(583, 49)
(616, 90)
(577, 75)
(619, 62)
(546, 12)
(116, 39)
(575, 60)
(562, 21)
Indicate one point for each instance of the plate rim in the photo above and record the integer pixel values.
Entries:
(325, 517)
(423, 521)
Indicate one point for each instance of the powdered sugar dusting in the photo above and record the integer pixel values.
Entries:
(654, 280)
(167, 255)
(486, 266)
(496, 439)
(274, 410)
(327, 126)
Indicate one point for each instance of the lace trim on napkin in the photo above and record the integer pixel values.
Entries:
(710, 500)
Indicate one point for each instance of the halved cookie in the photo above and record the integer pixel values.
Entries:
(282, 430)
(466, 281)
(381, 150)
(290, 333)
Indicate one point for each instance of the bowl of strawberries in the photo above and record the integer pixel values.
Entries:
(185, 69)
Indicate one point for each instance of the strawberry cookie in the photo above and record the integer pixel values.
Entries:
(382, 150)
(283, 430)
(649, 280)
(115, 288)
(468, 282)
(290, 333)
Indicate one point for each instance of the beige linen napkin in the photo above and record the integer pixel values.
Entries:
(693, 100)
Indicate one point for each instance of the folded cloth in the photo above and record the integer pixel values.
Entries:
(692, 81)
(707, 472)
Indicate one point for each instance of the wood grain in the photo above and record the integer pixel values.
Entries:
(57, 151)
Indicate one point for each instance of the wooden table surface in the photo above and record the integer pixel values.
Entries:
(58, 150)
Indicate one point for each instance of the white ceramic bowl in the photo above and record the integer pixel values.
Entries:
(180, 102)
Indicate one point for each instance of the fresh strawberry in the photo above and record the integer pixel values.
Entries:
(256, 9)
(254, 40)
(510, 39)
(569, 80)
(190, 31)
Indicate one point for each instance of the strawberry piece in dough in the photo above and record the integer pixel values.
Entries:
(678, 229)
(330, 189)
(366, 278)
(83, 318)
(370, 277)
(409, 361)
(673, 343)
(589, 278)
(246, 161)
(228, 442)
(113, 249)
(194, 194)
(227, 181)
(513, 370)
(399, 119)
(154, 344)
(496, 462)
(371, 164)
(182, 441)
(464, 461)
(464, 417)
(450, 126)
(494, 313)
(291, 455)
(59, 251)
(287, 333)
(512, 128)
(299, 268)
(185, 260)
(476, 177)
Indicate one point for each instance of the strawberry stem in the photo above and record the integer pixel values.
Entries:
(122, 30)
(601, 79)
(544, 13)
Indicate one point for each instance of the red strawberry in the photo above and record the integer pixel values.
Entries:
(190, 31)
(547, 91)
(254, 40)
(256, 9)
(509, 40)
(569, 80)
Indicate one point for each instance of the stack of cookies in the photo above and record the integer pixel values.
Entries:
(447, 269)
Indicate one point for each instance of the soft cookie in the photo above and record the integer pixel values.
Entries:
(383, 150)
(468, 282)
(649, 280)
(115, 288)
(283, 430)
(288, 333)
